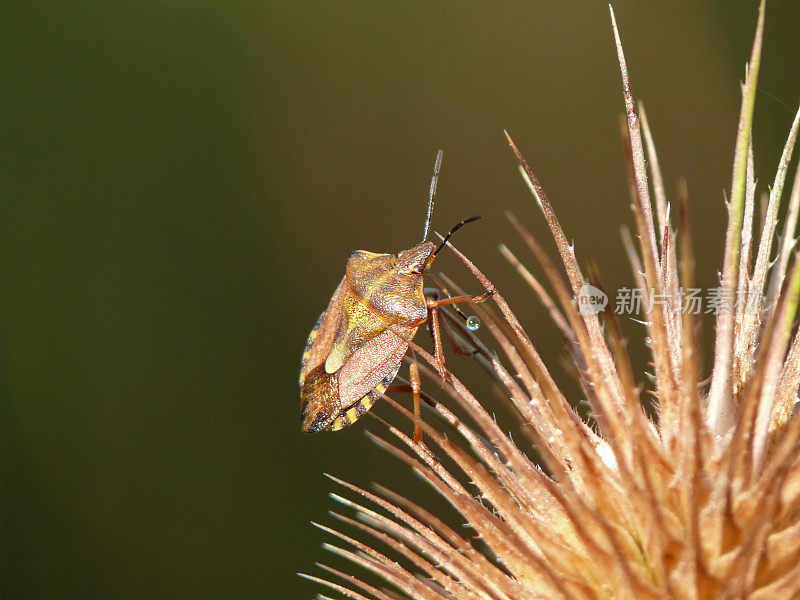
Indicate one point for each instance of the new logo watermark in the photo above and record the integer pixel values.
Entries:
(639, 301)
(591, 300)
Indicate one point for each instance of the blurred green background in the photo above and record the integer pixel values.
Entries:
(181, 185)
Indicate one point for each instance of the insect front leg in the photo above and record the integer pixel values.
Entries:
(433, 302)
(459, 300)
(434, 294)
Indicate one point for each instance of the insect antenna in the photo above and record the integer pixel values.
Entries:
(455, 228)
(434, 182)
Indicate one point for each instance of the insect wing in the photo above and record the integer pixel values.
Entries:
(320, 340)
(336, 400)
(359, 325)
(369, 365)
(357, 410)
(319, 400)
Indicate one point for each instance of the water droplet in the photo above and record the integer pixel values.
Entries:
(473, 323)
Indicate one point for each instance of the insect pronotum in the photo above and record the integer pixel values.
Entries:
(355, 349)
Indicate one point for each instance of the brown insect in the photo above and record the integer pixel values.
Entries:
(354, 351)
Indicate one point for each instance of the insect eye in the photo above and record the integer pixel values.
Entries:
(473, 323)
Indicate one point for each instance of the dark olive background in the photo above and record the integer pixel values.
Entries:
(181, 185)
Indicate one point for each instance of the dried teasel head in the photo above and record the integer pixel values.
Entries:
(701, 502)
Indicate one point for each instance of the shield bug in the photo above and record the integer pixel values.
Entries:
(355, 349)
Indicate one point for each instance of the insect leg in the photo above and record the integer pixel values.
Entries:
(399, 387)
(415, 388)
(433, 303)
(433, 326)
(457, 347)
(434, 295)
